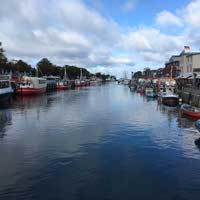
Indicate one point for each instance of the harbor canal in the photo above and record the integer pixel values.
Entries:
(99, 142)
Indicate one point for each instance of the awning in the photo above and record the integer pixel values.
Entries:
(186, 75)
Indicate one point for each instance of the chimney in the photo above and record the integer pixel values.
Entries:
(186, 49)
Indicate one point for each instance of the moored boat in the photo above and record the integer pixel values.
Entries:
(140, 90)
(32, 86)
(190, 111)
(150, 92)
(5, 87)
(62, 85)
(79, 83)
(169, 99)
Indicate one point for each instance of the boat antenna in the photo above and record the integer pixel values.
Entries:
(65, 74)
(38, 69)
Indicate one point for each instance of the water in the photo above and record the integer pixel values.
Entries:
(102, 142)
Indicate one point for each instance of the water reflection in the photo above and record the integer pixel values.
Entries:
(5, 120)
(102, 142)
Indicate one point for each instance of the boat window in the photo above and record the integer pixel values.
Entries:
(4, 84)
(42, 81)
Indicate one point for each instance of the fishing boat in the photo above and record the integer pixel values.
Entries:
(140, 91)
(150, 93)
(5, 87)
(63, 84)
(32, 86)
(79, 83)
(190, 111)
(167, 92)
(169, 99)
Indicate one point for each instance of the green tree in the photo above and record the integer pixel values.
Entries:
(74, 72)
(22, 66)
(3, 59)
(138, 74)
(45, 67)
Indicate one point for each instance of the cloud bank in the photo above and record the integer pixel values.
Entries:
(72, 32)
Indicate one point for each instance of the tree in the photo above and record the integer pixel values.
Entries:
(74, 72)
(3, 59)
(137, 74)
(45, 67)
(22, 66)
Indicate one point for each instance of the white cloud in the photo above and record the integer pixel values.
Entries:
(192, 14)
(166, 18)
(64, 31)
(151, 43)
(71, 32)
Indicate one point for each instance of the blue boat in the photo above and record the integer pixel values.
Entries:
(150, 93)
(197, 124)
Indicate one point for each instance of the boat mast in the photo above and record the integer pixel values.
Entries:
(65, 74)
(37, 74)
(81, 75)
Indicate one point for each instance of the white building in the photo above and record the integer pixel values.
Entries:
(189, 61)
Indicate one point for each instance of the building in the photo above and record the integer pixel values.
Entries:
(146, 72)
(189, 61)
(172, 67)
(159, 72)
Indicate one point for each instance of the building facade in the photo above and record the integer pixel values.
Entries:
(189, 61)
(172, 67)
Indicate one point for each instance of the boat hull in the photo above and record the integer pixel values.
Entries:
(170, 101)
(140, 91)
(80, 84)
(62, 87)
(191, 114)
(30, 91)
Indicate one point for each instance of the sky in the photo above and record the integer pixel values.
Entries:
(108, 36)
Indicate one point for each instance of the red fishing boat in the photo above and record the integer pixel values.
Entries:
(62, 85)
(32, 86)
(140, 91)
(80, 82)
(190, 111)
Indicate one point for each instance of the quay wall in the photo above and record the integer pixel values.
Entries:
(189, 96)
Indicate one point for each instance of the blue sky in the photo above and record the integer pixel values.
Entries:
(142, 12)
(107, 36)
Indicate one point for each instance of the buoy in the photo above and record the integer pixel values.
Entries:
(197, 124)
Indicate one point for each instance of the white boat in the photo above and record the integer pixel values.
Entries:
(32, 85)
(169, 98)
(5, 87)
(126, 81)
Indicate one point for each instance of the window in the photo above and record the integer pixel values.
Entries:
(4, 84)
(42, 81)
